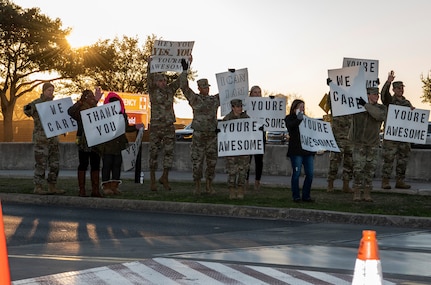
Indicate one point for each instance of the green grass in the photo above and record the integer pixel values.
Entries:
(276, 197)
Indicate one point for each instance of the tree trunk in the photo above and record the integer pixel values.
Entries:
(8, 124)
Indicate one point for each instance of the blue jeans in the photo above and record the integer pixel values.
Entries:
(297, 161)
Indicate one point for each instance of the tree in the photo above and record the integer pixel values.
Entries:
(30, 44)
(426, 96)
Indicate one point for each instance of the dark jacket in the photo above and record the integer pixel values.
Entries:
(292, 125)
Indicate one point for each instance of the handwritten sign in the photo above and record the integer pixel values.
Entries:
(269, 111)
(405, 125)
(239, 137)
(167, 55)
(346, 87)
(54, 117)
(103, 123)
(371, 69)
(232, 85)
(129, 154)
(317, 135)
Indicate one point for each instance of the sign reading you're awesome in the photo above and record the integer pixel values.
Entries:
(239, 137)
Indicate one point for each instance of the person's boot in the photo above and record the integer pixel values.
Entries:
(95, 187)
(81, 183)
(38, 189)
(52, 189)
(197, 190)
(385, 183)
(240, 193)
(346, 188)
(209, 187)
(106, 188)
(164, 179)
(357, 194)
(367, 196)
(400, 184)
(330, 187)
(115, 184)
(256, 185)
(232, 193)
(153, 184)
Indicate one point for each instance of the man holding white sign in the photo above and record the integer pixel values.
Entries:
(46, 150)
(395, 150)
(364, 136)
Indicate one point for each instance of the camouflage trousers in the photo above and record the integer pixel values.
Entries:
(161, 137)
(237, 167)
(398, 152)
(204, 147)
(46, 155)
(335, 159)
(364, 166)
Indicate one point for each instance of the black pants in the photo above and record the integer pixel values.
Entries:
(86, 158)
(258, 163)
(111, 165)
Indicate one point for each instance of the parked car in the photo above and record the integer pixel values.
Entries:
(185, 134)
(427, 142)
(277, 137)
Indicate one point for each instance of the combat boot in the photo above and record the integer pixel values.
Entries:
(330, 187)
(232, 193)
(401, 185)
(356, 194)
(241, 191)
(197, 190)
(39, 190)
(106, 188)
(164, 179)
(385, 183)
(367, 196)
(346, 188)
(209, 187)
(52, 189)
(81, 183)
(95, 187)
(153, 185)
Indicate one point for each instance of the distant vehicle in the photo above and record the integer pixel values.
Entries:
(427, 144)
(277, 137)
(185, 134)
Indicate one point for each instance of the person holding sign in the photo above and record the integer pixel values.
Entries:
(204, 140)
(364, 136)
(111, 152)
(236, 166)
(162, 129)
(298, 156)
(256, 91)
(395, 150)
(46, 150)
(86, 155)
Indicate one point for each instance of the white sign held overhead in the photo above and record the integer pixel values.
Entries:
(232, 85)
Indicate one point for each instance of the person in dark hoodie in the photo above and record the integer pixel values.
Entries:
(298, 156)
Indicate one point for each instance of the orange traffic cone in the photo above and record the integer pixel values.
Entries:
(368, 269)
(4, 261)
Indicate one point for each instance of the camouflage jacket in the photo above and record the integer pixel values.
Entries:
(31, 111)
(387, 98)
(204, 110)
(366, 125)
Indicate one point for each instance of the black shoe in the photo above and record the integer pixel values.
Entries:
(309, 200)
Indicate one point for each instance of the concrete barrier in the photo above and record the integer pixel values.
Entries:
(19, 156)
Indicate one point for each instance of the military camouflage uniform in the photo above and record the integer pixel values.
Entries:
(237, 166)
(46, 150)
(340, 128)
(204, 140)
(393, 150)
(162, 129)
(364, 135)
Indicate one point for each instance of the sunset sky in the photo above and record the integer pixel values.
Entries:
(287, 46)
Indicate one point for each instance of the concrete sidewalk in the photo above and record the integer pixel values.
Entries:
(418, 187)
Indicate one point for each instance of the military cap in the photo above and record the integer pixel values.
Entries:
(203, 83)
(372, 90)
(236, 102)
(397, 84)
